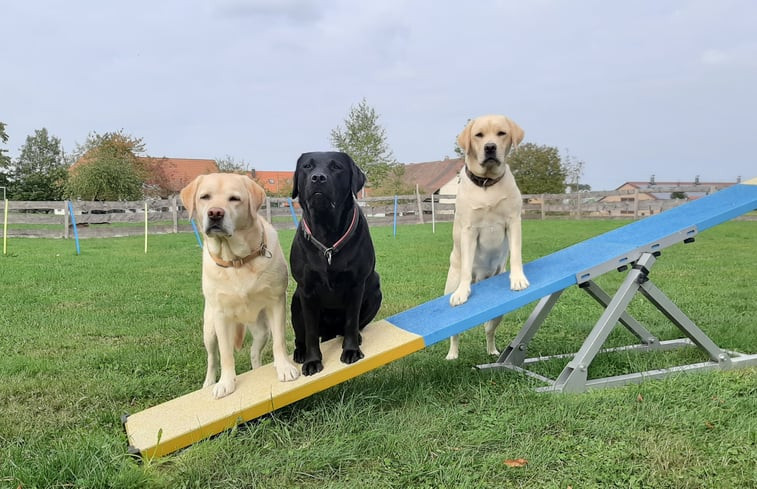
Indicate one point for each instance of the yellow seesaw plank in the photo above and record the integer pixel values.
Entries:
(752, 181)
(178, 423)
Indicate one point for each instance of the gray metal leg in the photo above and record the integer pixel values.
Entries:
(635, 327)
(517, 351)
(574, 375)
(686, 325)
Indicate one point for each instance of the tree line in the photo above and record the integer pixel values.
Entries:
(114, 165)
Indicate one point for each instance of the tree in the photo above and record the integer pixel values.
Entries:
(229, 164)
(5, 160)
(107, 168)
(394, 184)
(538, 169)
(574, 170)
(365, 141)
(40, 172)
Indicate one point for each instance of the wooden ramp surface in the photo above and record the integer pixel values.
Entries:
(185, 420)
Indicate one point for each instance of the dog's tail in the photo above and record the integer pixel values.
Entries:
(239, 338)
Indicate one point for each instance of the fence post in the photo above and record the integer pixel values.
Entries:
(433, 216)
(635, 204)
(268, 209)
(420, 208)
(65, 221)
(578, 205)
(543, 203)
(175, 213)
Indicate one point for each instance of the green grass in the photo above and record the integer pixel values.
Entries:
(85, 339)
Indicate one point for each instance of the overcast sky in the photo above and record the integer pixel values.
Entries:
(632, 89)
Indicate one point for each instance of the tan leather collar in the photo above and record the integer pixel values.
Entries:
(240, 262)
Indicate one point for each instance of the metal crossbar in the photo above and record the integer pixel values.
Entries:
(573, 377)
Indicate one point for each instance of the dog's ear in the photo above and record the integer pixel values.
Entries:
(257, 195)
(295, 189)
(463, 139)
(357, 176)
(516, 134)
(188, 193)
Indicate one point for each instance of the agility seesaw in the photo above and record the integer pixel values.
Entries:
(180, 422)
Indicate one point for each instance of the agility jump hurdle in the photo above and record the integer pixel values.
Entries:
(180, 422)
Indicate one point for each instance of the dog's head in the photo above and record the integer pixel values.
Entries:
(486, 141)
(323, 180)
(223, 202)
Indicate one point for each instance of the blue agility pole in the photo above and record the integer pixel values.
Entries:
(395, 216)
(73, 222)
(291, 209)
(197, 233)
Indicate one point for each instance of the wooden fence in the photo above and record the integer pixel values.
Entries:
(110, 219)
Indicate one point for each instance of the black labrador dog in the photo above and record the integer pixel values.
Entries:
(332, 260)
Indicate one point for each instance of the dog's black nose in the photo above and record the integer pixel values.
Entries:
(318, 178)
(216, 213)
(490, 148)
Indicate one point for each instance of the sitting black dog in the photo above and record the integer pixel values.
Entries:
(332, 260)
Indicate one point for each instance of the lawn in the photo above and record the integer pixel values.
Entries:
(85, 339)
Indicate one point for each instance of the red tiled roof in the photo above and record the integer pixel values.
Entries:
(430, 176)
(275, 181)
(173, 174)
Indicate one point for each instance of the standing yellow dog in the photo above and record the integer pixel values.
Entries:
(244, 276)
(487, 216)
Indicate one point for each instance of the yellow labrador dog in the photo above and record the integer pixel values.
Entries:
(244, 276)
(487, 216)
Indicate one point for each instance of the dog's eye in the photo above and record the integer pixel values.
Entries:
(479, 134)
(234, 198)
(501, 133)
(334, 165)
(204, 196)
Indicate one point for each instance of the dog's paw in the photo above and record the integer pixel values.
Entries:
(312, 367)
(351, 356)
(208, 382)
(451, 356)
(518, 282)
(223, 388)
(299, 355)
(460, 296)
(287, 372)
(492, 351)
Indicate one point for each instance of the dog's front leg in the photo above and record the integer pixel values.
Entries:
(312, 360)
(351, 344)
(276, 318)
(211, 347)
(468, 240)
(518, 280)
(225, 331)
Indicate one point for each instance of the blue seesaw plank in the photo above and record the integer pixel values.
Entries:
(437, 320)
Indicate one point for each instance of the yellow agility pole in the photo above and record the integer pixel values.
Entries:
(145, 228)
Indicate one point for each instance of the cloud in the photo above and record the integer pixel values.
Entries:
(298, 11)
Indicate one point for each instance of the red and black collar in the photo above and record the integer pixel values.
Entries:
(339, 244)
(481, 181)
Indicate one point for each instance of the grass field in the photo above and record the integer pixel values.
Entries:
(85, 339)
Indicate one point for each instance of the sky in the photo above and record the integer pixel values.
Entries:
(653, 87)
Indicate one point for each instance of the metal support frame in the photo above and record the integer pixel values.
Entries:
(573, 377)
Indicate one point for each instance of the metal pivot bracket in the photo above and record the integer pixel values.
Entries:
(573, 377)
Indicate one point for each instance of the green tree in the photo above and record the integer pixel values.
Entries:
(5, 160)
(40, 172)
(229, 164)
(107, 168)
(538, 169)
(394, 183)
(364, 140)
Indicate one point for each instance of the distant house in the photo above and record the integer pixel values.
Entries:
(170, 175)
(435, 177)
(657, 200)
(276, 183)
(651, 190)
